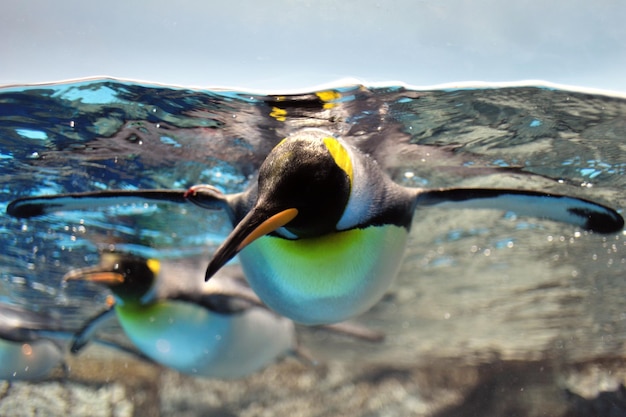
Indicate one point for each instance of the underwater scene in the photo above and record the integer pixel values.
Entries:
(494, 311)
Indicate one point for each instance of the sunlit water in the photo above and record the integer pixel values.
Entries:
(476, 288)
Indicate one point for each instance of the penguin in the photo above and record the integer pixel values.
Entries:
(30, 347)
(218, 329)
(33, 344)
(322, 231)
(213, 330)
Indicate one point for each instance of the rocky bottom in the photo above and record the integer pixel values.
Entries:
(113, 385)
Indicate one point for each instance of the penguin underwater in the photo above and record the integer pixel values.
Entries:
(209, 330)
(321, 233)
(31, 344)
(217, 329)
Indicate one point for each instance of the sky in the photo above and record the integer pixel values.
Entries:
(297, 44)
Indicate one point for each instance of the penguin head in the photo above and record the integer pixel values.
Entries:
(304, 186)
(309, 174)
(130, 278)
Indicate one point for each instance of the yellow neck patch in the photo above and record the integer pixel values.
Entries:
(340, 155)
(154, 265)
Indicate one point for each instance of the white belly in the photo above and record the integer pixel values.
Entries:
(196, 341)
(327, 279)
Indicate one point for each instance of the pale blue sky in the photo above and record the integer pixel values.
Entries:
(285, 44)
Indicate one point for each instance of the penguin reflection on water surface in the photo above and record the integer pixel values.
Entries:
(322, 232)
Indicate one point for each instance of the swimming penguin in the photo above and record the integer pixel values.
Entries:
(322, 231)
(33, 344)
(217, 329)
(29, 346)
(210, 330)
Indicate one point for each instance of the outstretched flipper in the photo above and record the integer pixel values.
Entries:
(27, 207)
(356, 331)
(577, 211)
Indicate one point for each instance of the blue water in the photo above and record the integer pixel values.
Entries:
(471, 283)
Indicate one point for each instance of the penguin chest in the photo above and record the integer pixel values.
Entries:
(197, 341)
(325, 279)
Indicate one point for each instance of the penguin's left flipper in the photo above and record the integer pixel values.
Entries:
(27, 207)
(577, 211)
(86, 333)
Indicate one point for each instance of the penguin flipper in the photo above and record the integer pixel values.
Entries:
(355, 330)
(222, 303)
(345, 328)
(228, 300)
(573, 210)
(86, 333)
(28, 207)
(227, 293)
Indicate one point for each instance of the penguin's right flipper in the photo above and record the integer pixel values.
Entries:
(209, 197)
(27, 207)
(345, 328)
(355, 330)
(231, 297)
(577, 211)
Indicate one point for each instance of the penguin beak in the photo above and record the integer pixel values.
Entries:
(95, 274)
(257, 223)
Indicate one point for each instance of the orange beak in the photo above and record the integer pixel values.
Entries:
(95, 274)
(255, 224)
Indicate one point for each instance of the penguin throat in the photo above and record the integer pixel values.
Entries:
(294, 234)
(318, 228)
(129, 296)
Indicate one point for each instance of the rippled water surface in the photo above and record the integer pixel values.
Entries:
(484, 300)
